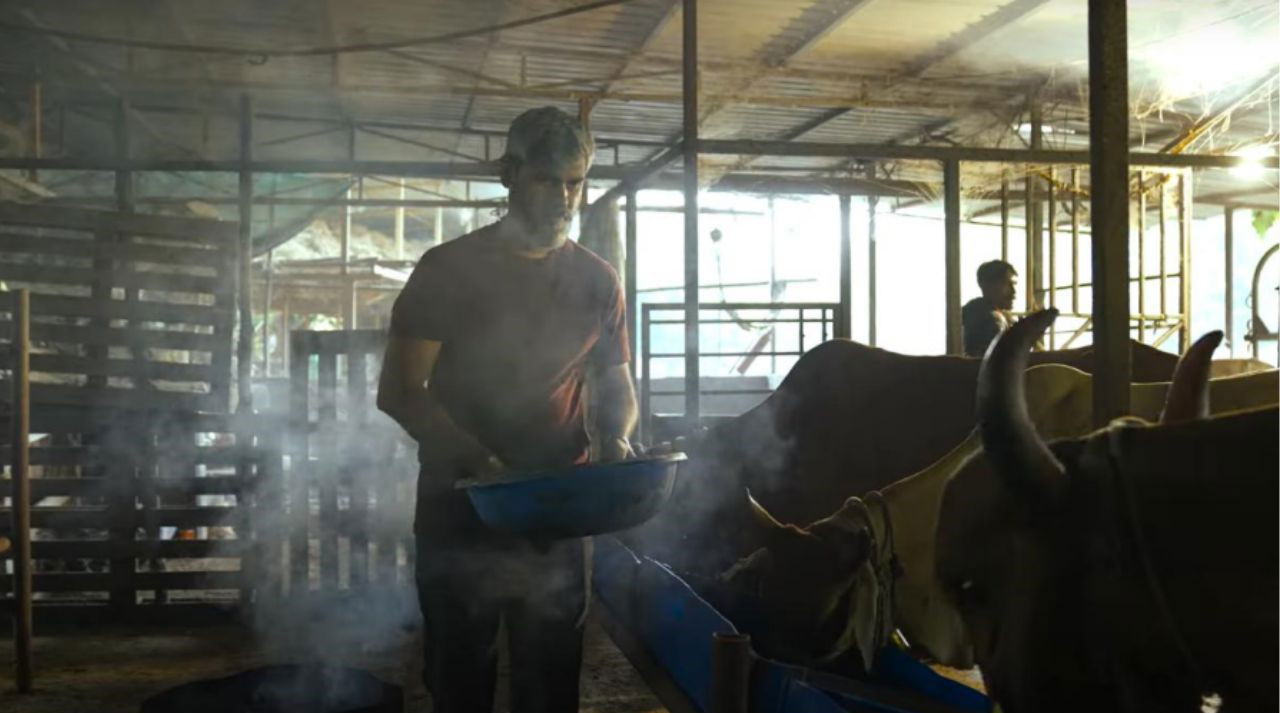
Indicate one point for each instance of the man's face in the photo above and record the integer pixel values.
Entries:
(1003, 291)
(545, 196)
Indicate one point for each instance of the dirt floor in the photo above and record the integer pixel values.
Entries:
(112, 672)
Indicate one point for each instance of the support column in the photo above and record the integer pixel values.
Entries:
(845, 328)
(629, 267)
(244, 348)
(36, 128)
(267, 286)
(400, 224)
(348, 285)
(689, 76)
(872, 205)
(951, 217)
(1035, 213)
(1184, 263)
(1109, 199)
(1004, 216)
(1229, 248)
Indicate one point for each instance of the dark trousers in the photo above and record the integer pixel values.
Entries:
(469, 580)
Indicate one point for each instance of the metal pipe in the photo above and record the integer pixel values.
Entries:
(399, 225)
(1035, 210)
(689, 86)
(951, 212)
(1142, 254)
(730, 672)
(964, 153)
(1075, 239)
(632, 235)
(244, 348)
(1029, 238)
(1004, 216)
(844, 329)
(1229, 247)
(872, 205)
(1053, 253)
(21, 436)
(266, 314)
(1109, 199)
(1184, 260)
(1164, 270)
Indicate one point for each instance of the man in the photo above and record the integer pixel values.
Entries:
(494, 341)
(987, 316)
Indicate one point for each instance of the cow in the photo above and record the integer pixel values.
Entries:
(846, 420)
(1133, 569)
(804, 572)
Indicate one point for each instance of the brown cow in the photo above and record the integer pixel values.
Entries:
(1134, 569)
(846, 420)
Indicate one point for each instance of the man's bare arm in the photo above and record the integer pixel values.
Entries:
(611, 412)
(403, 395)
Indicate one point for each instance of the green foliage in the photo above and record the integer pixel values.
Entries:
(1263, 220)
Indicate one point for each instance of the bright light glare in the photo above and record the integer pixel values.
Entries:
(1250, 167)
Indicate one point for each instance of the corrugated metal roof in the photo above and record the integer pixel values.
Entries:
(974, 92)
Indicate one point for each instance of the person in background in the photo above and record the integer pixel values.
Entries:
(983, 318)
(508, 352)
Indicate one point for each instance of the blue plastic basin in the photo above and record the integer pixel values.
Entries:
(578, 502)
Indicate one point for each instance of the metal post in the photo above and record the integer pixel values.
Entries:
(1229, 247)
(400, 224)
(244, 348)
(632, 214)
(845, 328)
(1004, 216)
(689, 79)
(1109, 199)
(1184, 260)
(21, 422)
(1053, 252)
(266, 314)
(36, 107)
(1075, 240)
(1142, 256)
(951, 216)
(1164, 269)
(1035, 213)
(872, 204)
(348, 284)
(730, 672)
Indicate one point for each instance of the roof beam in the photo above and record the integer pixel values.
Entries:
(998, 20)
(803, 32)
(656, 30)
(963, 153)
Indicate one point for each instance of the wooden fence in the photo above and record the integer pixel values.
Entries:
(127, 310)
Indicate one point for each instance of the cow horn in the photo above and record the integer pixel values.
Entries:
(1008, 435)
(761, 515)
(1188, 397)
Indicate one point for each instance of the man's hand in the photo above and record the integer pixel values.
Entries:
(484, 466)
(610, 450)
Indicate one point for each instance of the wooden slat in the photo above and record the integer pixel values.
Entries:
(141, 549)
(299, 485)
(126, 337)
(194, 229)
(86, 396)
(325, 469)
(164, 487)
(145, 311)
(68, 518)
(162, 281)
(135, 368)
(88, 247)
(357, 416)
(67, 582)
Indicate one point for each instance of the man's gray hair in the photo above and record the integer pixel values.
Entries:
(546, 133)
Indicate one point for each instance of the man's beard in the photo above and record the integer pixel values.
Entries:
(550, 232)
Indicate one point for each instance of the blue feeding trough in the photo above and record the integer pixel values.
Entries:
(580, 501)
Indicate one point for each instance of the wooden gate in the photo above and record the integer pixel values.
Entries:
(351, 466)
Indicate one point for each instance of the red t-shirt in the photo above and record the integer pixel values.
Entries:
(518, 336)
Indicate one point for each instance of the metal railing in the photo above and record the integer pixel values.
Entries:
(813, 323)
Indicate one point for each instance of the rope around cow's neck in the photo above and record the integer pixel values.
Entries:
(1132, 523)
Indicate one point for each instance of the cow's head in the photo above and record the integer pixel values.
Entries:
(808, 585)
(1027, 550)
